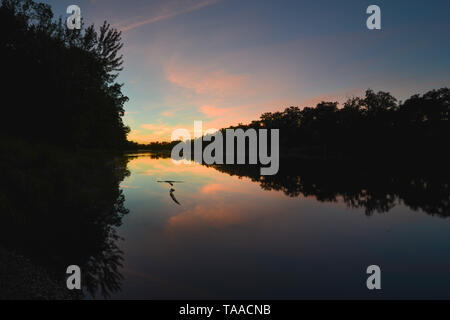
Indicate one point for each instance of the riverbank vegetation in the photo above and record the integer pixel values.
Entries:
(60, 200)
(376, 125)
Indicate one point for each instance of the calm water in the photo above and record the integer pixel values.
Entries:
(291, 236)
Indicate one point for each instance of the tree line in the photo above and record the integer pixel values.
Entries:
(157, 146)
(376, 124)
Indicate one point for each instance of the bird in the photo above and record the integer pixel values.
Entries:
(171, 190)
(173, 197)
(171, 182)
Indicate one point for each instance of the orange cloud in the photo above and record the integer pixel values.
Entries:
(213, 188)
(212, 111)
(213, 83)
(153, 132)
(159, 129)
(218, 216)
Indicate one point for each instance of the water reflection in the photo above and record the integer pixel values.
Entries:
(303, 233)
(376, 189)
(171, 190)
(63, 211)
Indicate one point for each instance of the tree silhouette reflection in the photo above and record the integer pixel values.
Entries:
(374, 188)
(61, 210)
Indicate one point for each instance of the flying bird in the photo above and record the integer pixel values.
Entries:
(172, 190)
(173, 197)
(171, 182)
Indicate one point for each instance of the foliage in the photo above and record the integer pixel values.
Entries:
(58, 85)
(375, 125)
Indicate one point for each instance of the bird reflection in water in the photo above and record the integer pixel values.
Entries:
(172, 190)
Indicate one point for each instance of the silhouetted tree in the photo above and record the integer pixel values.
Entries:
(375, 125)
(58, 85)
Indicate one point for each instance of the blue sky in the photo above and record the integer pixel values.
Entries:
(228, 61)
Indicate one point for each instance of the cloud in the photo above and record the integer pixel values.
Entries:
(159, 129)
(168, 113)
(218, 216)
(227, 88)
(214, 188)
(152, 133)
(218, 83)
(212, 111)
(174, 9)
(152, 127)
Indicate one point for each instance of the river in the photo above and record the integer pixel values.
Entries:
(224, 234)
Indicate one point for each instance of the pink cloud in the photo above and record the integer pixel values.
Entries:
(213, 188)
(216, 83)
(212, 111)
(220, 216)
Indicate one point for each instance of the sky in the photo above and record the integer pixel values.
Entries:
(226, 62)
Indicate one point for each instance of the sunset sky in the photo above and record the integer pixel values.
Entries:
(228, 61)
